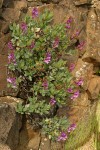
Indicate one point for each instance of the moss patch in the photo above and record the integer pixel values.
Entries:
(83, 131)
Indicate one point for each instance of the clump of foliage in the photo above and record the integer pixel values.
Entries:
(35, 57)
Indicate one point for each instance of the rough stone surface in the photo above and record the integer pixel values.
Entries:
(82, 100)
(34, 142)
(3, 42)
(45, 143)
(93, 36)
(10, 122)
(4, 147)
(20, 5)
(29, 136)
(1, 2)
(76, 109)
(83, 70)
(82, 2)
(11, 14)
(94, 87)
(5, 27)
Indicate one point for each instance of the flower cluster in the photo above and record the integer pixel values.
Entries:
(10, 45)
(12, 81)
(79, 82)
(52, 101)
(71, 128)
(35, 13)
(75, 35)
(68, 23)
(11, 58)
(62, 137)
(24, 27)
(81, 45)
(48, 58)
(56, 43)
(75, 94)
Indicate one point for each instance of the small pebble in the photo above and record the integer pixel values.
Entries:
(45, 139)
(42, 143)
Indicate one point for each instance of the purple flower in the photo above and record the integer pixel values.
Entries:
(75, 34)
(32, 45)
(34, 12)
(71, 67)
(48, 58)
(10, 45)
(45, 85)
(68, 23)
(79, 82)
(11, 58)
(63, 136)
(71, 128)
(75, 95)
(81, 45)
(69, 90)
(68, 26)
(12, 81)
(52, 101)
(69, 20)
(24, 27)
(56, 43)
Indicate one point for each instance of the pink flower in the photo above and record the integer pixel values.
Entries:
(75, 95)
(63, 136)
(32, 45)
(12, 81)
(34, 12)
(76, 34)
(10, 45)
(11, 58)
(24, 27)
(81, 45)
(56, 43)
(68, 23)
(69, 90)
(45, 85)
(48, 58)
(52, 101)
(79, 82)
(71, 67)
(71, 128)
(68, 26)
(69, 20)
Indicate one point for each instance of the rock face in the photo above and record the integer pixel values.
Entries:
(83, 70)
(82, 2)
(93, 36)
(20, 5)
(10, 123)
(94, 87)
(11, 14)
(86, 19)
(4, 147)
(1, 2)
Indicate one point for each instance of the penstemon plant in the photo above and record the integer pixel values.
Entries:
(36, 55)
